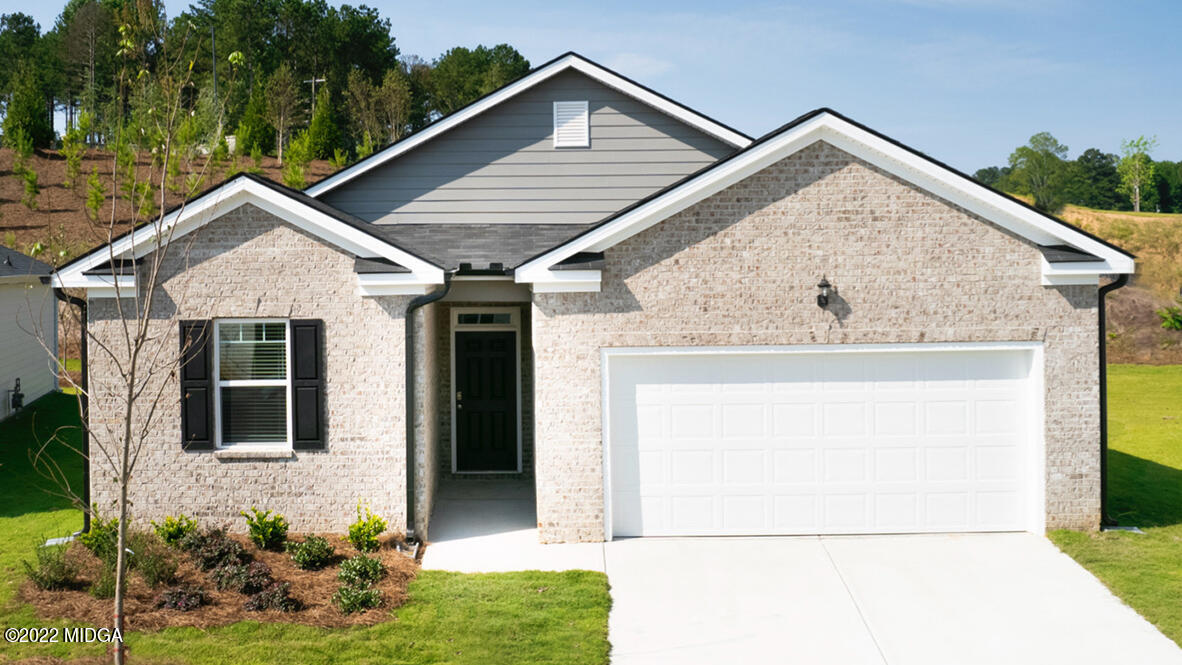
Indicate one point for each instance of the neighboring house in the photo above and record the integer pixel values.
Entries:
(28, 329)
(618, 297)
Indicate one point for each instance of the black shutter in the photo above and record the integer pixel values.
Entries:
(307, 384)
(196, 385)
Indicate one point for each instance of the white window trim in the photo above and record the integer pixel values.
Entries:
(1036, 512)
(586, 115)
(283, 446)
(514, 325)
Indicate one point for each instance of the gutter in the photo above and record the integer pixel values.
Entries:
(84, 399)
(408, 325)
(1120, 281)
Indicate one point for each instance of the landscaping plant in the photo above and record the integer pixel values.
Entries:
(104, 586)
(274, 597)
(265, 531)
(312, 554)
(364, 532)
(183, 598)
(244, 578)
(156, 565)
(174, 529)
(214, 549)
(101, 539)
(361, 571)
(352, 599)
(53, 570)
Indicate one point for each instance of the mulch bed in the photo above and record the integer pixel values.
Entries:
(313, 588)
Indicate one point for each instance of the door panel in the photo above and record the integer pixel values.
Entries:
(486, 401)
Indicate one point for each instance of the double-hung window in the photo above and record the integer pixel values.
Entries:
(253, 395)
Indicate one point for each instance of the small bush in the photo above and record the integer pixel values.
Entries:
(104, 586)
(274, 597)
(361, 571)
(102, 539)
(265, 531)
(364, 532)
(182, 599)
(174, 529)
(1171, 318)
(351, 599)
(196, 539)
(53, 569)
(312, 554)
(248, 579)
(216, 550)
(156, 565)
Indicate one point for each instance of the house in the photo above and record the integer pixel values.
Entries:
(28, 331)
(669, 327)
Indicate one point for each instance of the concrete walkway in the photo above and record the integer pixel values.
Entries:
(882, 600)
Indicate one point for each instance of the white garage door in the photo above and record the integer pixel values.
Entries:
(732, 442)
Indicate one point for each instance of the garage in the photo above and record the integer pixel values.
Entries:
(843, 439)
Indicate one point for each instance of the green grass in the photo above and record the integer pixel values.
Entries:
(526, 617)
(1145, 490)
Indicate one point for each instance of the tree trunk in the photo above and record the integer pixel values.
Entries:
(1136, 198)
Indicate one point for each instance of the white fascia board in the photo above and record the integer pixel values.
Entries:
(859, 143)
(392, 284)
(1084, 272)
(195, 215)
(80, 281)
(568, 281)
(504, 94)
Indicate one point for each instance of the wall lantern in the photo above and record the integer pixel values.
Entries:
(823, 296)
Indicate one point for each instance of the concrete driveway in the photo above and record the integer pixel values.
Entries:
(894, 600)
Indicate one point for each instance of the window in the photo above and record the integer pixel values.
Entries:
(253, 387)
(571, 125)
(486, 318)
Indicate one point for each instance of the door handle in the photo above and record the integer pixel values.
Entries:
(459, 399)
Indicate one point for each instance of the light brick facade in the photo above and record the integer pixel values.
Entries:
(250, 264)
(740, 268)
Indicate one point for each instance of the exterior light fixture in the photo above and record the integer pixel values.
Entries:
(823, 296)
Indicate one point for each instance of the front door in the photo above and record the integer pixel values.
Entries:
(486, 401)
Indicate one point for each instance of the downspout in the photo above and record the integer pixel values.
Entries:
(1120, 281)
(85, 399)
(408, 325)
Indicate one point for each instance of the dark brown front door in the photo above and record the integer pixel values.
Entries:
(486, 401)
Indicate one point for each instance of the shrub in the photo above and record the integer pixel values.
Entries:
(182, 599)
(1171, 318)
(265, 531)
(361, 571)
(274, 597)
(102, 539)
(174, 529)
(248, 579)
(216, 550)
(104, 586)
(364, 532)
(312, 554)
(53, 569)
(350, 599)
(156, 565)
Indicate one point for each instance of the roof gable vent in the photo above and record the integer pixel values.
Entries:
(571, 125)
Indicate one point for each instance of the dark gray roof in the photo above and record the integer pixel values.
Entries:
(581, 261)
(14, 264)
(376, 265)
(480, 245)
(1066, 254)
(122, 267)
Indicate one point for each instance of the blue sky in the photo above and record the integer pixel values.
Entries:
(962, 80)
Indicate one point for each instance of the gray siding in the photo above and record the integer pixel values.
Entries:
(502, 167)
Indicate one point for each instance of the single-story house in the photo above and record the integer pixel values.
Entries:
(672, 328)
(28, 331)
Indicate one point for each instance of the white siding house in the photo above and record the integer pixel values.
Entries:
(28, 324)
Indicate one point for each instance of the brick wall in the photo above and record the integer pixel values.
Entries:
(740, 268)
(250, 264)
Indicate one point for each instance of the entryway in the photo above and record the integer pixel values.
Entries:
(486, 397)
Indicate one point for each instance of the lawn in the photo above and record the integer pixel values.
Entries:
(1144, 490)
(528, 617)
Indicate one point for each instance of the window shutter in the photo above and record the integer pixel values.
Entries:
(307, 384)
(196, 385)
(571, 125)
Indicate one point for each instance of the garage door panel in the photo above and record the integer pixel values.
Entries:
(820, 443)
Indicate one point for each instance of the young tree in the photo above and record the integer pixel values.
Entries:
(1136, 168)
(361, 102)
(125, 334)
(323, 137)
(283, 104)
(1038, 170)
(27, 111)
(254, 132)
(394, 105)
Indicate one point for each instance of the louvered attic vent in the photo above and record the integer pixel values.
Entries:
(570, 125)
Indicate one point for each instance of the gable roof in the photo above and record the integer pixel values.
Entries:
(868, 145)
(15, 264)
(565, 62)
(315, 217)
